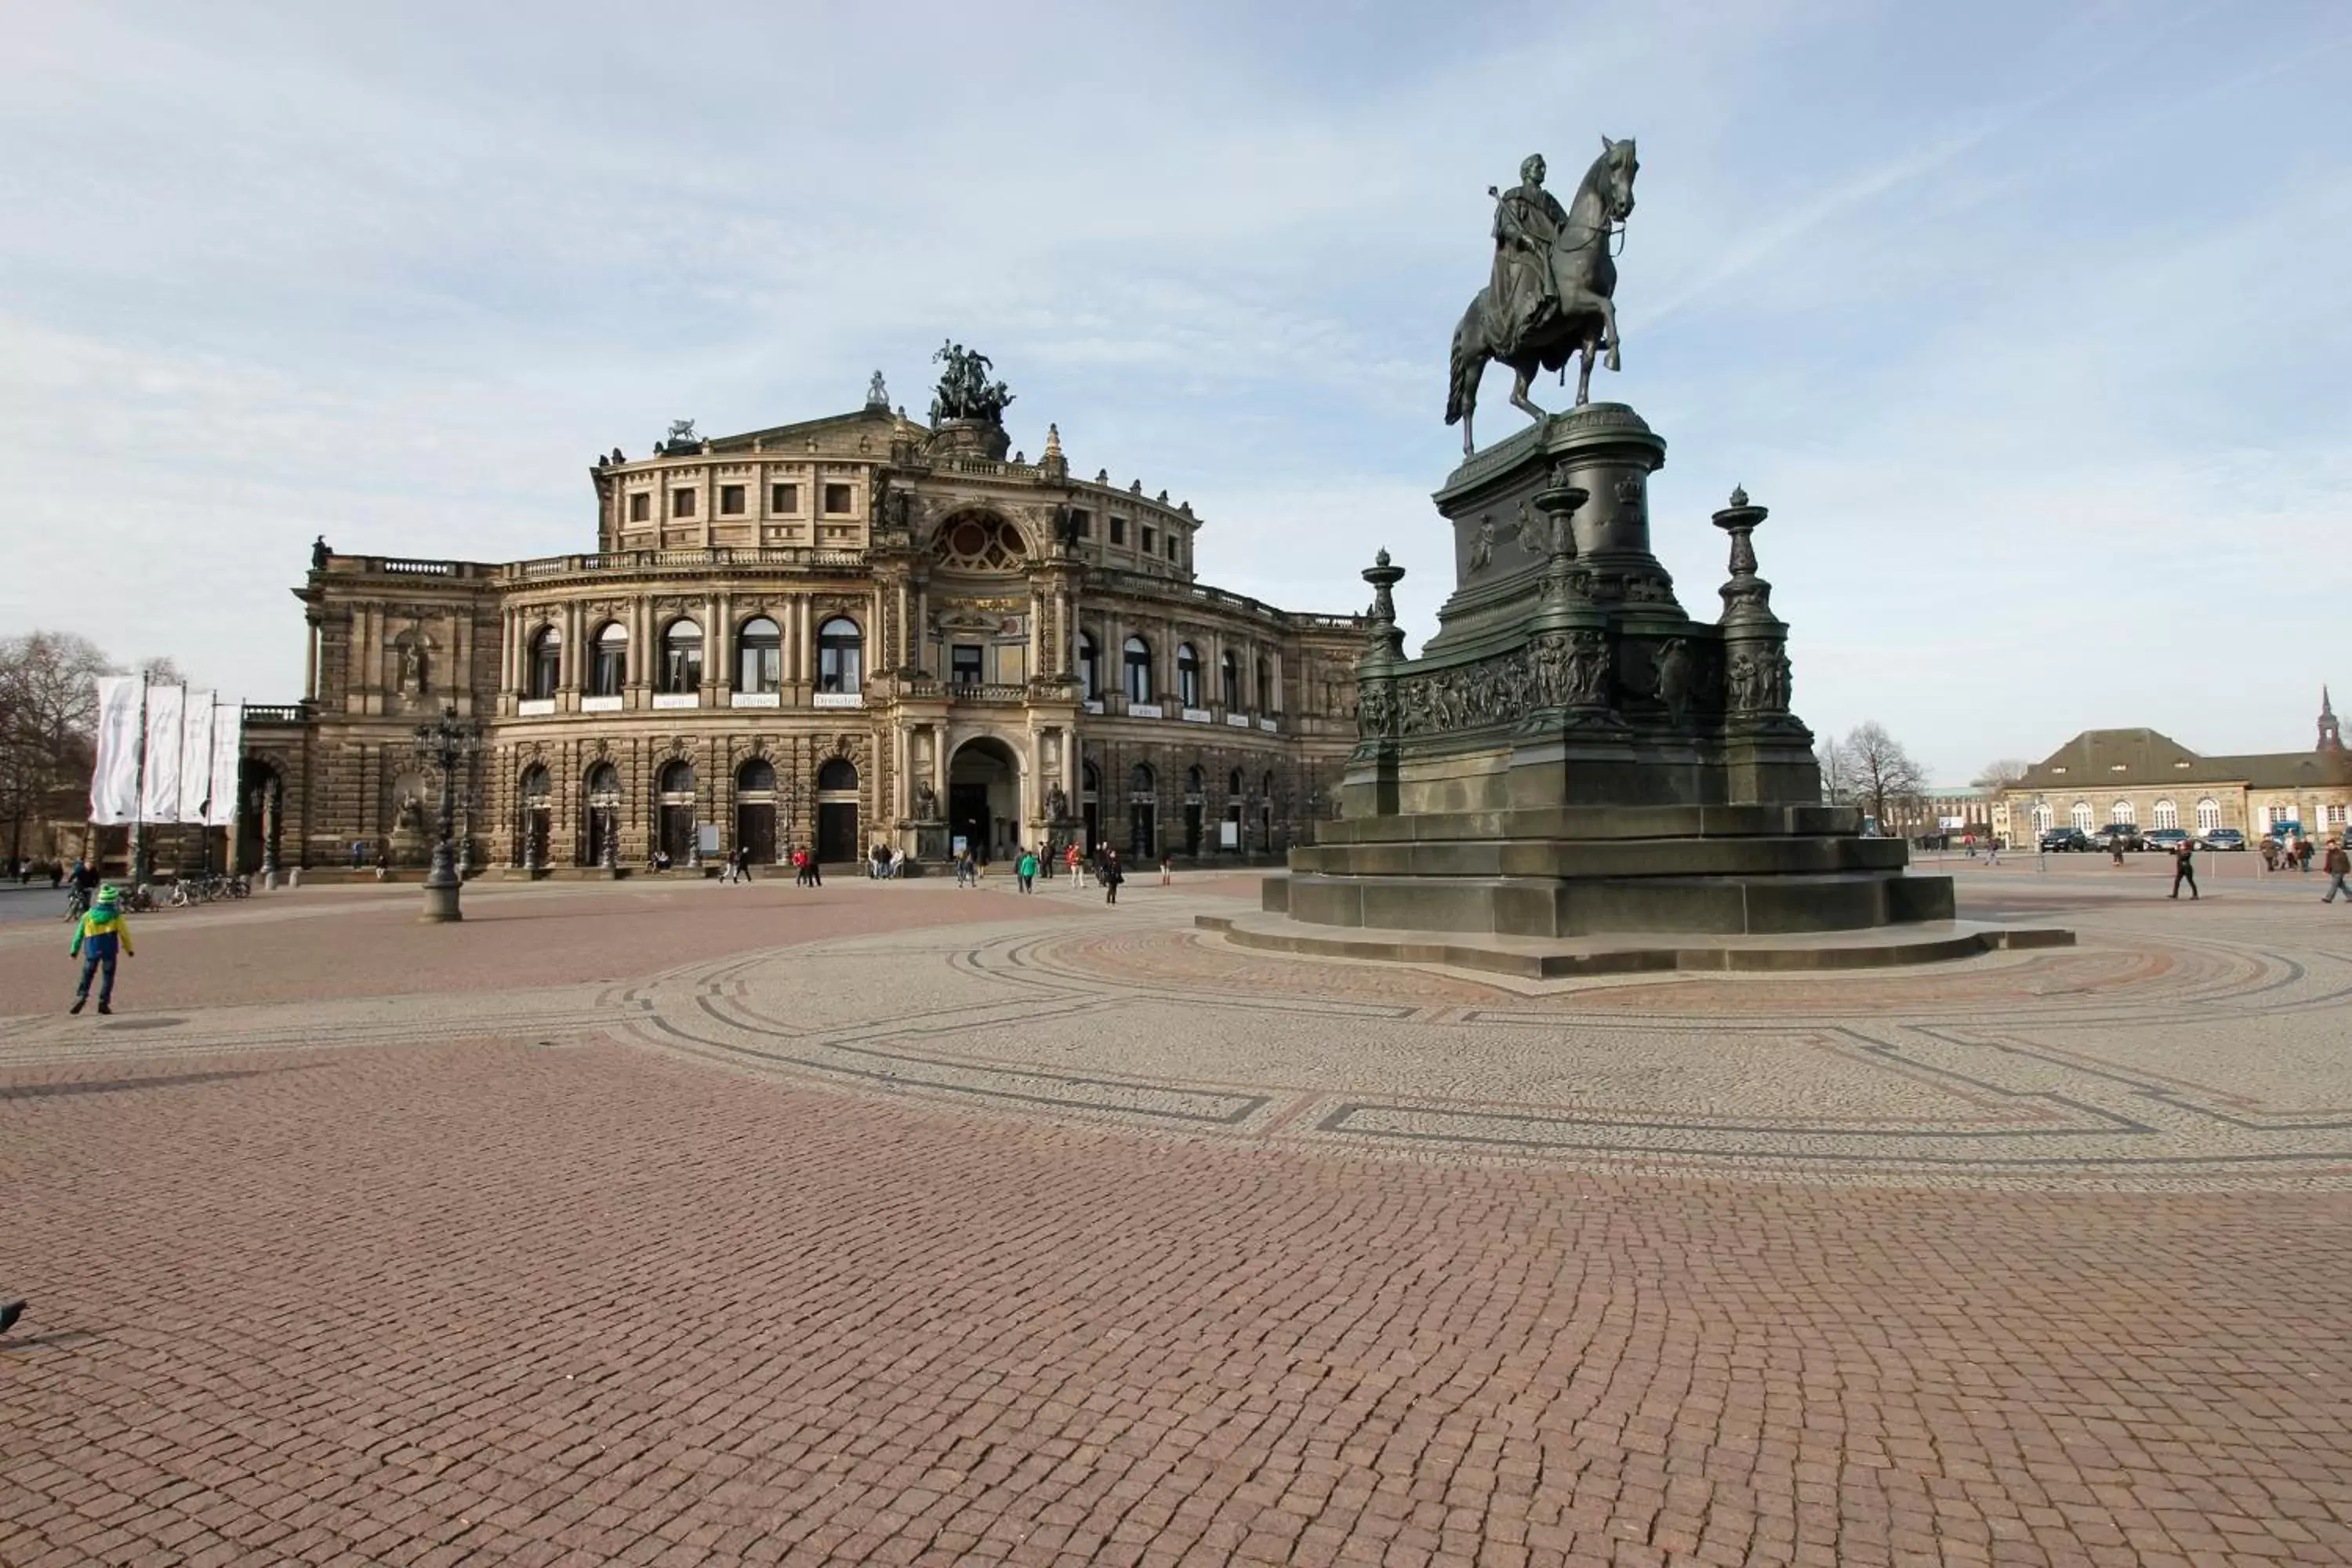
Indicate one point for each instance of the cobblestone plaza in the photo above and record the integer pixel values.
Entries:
(897, 1223)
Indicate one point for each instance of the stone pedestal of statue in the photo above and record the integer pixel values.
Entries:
(1573, 754)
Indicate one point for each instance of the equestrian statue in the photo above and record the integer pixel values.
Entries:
(1551, 293)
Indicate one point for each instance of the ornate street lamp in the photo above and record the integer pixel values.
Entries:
(448, 744)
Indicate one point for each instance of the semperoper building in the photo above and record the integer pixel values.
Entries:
(851, 630)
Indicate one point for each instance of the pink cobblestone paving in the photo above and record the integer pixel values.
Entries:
(479, 1301)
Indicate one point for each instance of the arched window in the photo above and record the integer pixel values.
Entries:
(839, 773)
(2122, 812)
(1188, 676)
(678, 777)
(1229, 670)
(1090, 781)
(1264, 685)
(1140, 780)
(604, 784)
(840, 658)
(546, 660)
(1234, 783)
(536, 785)
(1089, 668)
(681, 656)
(1194, 781)
(2082, 815)
(2042, 817)
(609, 670)
(2167, 814)
(759, 656)
(2209, 814)
(756, 776)
(1139, 670)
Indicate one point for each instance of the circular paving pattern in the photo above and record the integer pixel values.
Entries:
(2215, 1050)
(2137, 1058)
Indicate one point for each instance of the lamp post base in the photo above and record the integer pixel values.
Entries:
(440, 904)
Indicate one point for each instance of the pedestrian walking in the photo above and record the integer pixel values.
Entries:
(2184, 870)
(1112, 875)
(2303, 853)
(2337, 865)
(1167, 869)
(1071, 858)
(97, 936)
(1992, 851)
(2115, 848)
(1025, 869)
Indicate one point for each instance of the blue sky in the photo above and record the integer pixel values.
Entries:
(2029, 322)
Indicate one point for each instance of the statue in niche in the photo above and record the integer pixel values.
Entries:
(927, 803)
(414, 677)
(1057, 805)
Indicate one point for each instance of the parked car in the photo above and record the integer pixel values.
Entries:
(2164, 839)
(2115, 833)
(2224, 838)
(2066, 838)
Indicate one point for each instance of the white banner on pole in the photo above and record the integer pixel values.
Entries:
(159, 796)
(114, 779)
(195, 757)
(228, 745)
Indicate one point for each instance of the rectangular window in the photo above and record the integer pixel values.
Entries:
(681, 503)
(2334, 816)
(731, 499)
(963, 664)
(1119, 530)
(1150, 538)
(1082, 523)
(836, 499)
(783, 498)
(1171, 547)
(640, 508)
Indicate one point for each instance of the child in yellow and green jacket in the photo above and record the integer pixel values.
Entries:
(96, 936)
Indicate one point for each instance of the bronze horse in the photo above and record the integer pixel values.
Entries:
(1578, 313)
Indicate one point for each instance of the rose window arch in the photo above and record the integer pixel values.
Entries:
(980, 541)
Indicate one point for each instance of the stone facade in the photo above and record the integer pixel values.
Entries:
(851, 630)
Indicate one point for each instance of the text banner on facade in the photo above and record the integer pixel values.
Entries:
(228, 744)
(195, 757)
(114, 780)
(159, 797)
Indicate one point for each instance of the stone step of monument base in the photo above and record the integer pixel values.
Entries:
(1562, 958)
(1584, 905)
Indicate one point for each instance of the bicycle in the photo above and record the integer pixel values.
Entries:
(77, 904)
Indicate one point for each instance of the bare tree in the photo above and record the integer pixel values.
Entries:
(1837, 773)
(1882, 774)
(2001, 772)
(48, 720)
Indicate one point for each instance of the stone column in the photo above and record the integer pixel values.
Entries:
(717, 640)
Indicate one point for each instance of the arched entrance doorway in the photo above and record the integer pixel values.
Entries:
(260, 794)
(603, 824)
(1143, 813)
(538, 793)
(1194, 806)
(837, 813)
(984, 797)
(1091, 805)
(677, 810)
(755, 809)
